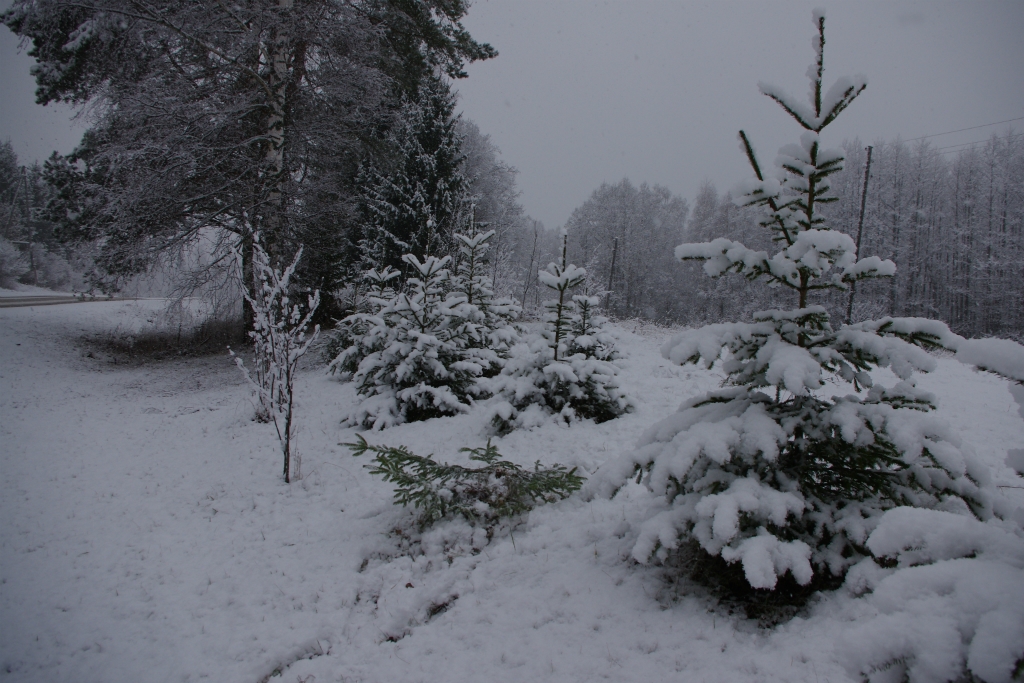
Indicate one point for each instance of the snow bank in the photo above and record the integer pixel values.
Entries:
(1001, 356)
(953, 603)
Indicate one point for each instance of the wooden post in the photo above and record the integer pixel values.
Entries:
(611, 272)
(529, 269)
(860, 234)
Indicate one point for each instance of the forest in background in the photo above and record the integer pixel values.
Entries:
(951, 219)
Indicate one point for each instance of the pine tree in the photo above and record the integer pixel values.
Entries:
(550, 374)
(418, 372)
(418, 354)
(414, 202)
(484, 325)
(236, 117)
(483, 496)
(768, 475)
(587, 329)
(561, 277)
(363, 332)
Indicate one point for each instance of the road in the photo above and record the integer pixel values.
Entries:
(48, 300)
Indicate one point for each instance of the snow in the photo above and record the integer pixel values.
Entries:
(765, 558)
(561, 278)
(814, 252)
(998, 355)
(955, 599)
(148, 536)
(1001, 356)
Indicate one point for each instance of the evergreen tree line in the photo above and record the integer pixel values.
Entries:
(30, 250)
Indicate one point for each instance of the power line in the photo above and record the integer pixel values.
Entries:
(948, 132)
(951, 148)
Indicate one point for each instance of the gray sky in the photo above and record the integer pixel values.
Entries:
(34, 131)
(587, 91)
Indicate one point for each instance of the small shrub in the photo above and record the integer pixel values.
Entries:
(588, 334)
(534, 386)
(279, 341)
(483, 496)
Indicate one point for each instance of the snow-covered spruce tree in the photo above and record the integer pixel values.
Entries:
(415, 370)
(414, 201)
(587, 330)
(279, 340)
(549, 374)
(484, 324)
(769, 475)
(359, 334)
(427, 346)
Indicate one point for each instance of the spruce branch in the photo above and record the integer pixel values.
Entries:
(483, 495)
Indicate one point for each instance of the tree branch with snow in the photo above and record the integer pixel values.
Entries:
(279, 341)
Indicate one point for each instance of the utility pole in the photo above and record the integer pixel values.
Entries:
(22, 180)
(611, 272)
(860, 234)
(529, 269)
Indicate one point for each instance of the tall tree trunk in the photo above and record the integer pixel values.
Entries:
(275, 155)
(248, 314)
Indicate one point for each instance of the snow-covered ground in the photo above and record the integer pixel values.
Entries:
(147, 535)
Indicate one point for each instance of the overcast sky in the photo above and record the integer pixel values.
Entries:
(588, 91)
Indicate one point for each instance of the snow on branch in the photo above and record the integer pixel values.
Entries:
(279, 340)
(838, 98)
(822, 109)
(561, 279)
(1001, 356)
(724, 255)
(812, 254)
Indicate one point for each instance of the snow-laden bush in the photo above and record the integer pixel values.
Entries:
(13, 264)
(351, 340)
(418, 353)
(952, 604)
(559, 372)
(772, 473)
(279, 341)
(414, 370)
(587, 330)
(483, 496)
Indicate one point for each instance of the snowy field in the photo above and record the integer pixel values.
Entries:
(147, 535)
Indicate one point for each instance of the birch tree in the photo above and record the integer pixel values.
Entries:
(236, 117)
